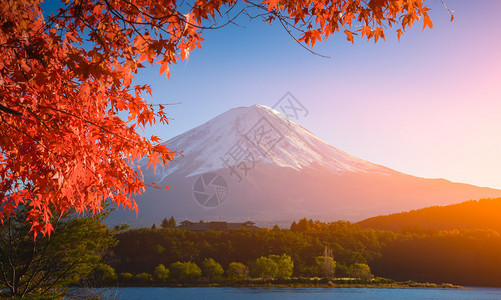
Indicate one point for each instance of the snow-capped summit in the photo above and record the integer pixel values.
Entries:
(256, 134)
(254, 163)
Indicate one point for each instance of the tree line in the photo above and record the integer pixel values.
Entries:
(264, 269)
(83, 252)
(424, 254)
(141, 250)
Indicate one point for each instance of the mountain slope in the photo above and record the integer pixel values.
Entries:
(481, 214)
(265, 167)
(293, 146)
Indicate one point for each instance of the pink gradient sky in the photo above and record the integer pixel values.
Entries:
(429, 105)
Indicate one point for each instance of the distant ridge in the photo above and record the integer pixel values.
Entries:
(481, 214)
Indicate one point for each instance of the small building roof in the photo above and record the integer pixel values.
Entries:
(220, 226)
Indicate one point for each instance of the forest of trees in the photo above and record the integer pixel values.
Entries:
(466, 257)
(167, 255)
(458, 243)
(423, 251)
(141, 250)
(83, 252)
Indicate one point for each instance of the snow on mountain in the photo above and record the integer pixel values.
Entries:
(254, 163)
(259, 134)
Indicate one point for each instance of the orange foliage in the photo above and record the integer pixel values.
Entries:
(65, 87)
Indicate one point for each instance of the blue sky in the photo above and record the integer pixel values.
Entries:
(428, 105)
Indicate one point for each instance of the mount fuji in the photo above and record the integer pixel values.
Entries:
(254, 163)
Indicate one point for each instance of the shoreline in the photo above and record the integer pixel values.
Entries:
(329, 286)
(284, 284)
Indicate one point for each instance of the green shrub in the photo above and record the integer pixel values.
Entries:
(362, 271)
(104, 273)
(325, 266)
(184, 271)
(161, 272)
(211, 269)
(273, 266)
(237, 271)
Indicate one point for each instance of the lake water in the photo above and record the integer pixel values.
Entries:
(274, 293)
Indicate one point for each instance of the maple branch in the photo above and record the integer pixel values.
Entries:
(52, 20)
(295, 39)
(230, 20)
(85, 120)
(176, 103)
(448, 9)
(32, 138)
(64, 149)
(37, 117)
(147, 14)
(90, 122)
(10, 111)
(177, 14)
(285, 24)
(125, 21)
